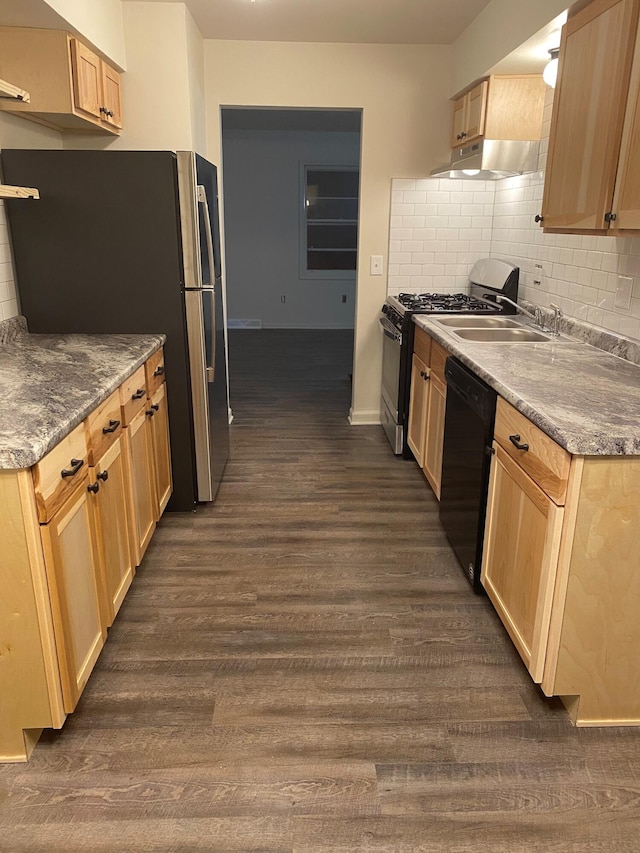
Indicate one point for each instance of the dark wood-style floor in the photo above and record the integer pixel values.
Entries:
(303, 668)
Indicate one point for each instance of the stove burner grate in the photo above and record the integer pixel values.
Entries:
(445, 302)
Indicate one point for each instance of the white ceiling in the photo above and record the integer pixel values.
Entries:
(368, 21)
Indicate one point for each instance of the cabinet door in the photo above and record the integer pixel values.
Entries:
(434, 438)
(72, 575)
(87, 79)
(586, 127)
(139, 473)
(476, 110)
(111, 95)
(112, 527)
(626, 200)
(458, 126)
(521, 546)
(161, 449)
(418, 405)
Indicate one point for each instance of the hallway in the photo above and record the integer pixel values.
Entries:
(303, 668)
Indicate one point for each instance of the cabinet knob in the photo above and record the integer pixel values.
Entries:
(538, 218)
(75, 466)
(109, 113)
(103, 110)
(93, 487)
(150, 413)
(155, 407)
(104, 476)
(515, 440)
(139, 394)
(113, 426)
(159, 370)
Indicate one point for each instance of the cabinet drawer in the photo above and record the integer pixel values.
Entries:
(103, 425)
(133, 395)
(422, 346)
(545, 461)
(60, 473)
(154, 371)
(439, 355)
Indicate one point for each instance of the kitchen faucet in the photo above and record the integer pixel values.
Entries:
(534, 316)
(557, 313)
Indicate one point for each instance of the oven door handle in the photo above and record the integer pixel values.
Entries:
(390, 330)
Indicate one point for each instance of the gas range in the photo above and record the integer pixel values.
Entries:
(488, 279)
(399, 309)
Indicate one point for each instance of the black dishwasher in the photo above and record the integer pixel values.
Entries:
(466, 459)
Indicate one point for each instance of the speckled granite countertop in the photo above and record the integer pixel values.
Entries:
(586, 399)
(50, 383)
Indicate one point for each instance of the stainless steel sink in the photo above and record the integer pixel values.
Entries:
(501, 335)
(479, 322)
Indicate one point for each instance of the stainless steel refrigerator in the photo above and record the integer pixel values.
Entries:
(128, 241)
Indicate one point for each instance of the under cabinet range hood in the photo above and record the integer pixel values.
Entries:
(491, 159)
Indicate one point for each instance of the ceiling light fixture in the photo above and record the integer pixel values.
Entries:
(550, 73)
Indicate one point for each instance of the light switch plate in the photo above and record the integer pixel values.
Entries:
(376, 265)
(623, 292)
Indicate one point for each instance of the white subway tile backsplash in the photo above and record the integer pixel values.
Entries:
(8, 299)
(465, 220)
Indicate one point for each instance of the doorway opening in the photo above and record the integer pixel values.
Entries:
(291, 199)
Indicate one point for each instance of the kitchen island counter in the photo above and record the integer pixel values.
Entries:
(586, 399)
(50, 383)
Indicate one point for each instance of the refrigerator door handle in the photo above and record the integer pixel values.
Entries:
(202, 199)
(211, 368)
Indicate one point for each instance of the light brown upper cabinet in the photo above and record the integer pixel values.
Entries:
(592, 182)
(71, 87)
(501, 107)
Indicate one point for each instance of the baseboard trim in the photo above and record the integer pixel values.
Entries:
(364, 417)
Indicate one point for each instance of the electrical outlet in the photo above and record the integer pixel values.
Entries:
(376, 265)
(538, 275)
(624, 289)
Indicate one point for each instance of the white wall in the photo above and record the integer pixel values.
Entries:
(163, 98)
(402, 90)
(261, 210)
(99, 21)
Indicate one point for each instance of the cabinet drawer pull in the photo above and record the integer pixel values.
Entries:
(155, 407)
(515, 440)
(94, 488)
(104, 476)
(159, 370)
(150, 413)
(76, 465)
(538, 218)
(139, 394)
(113, 426)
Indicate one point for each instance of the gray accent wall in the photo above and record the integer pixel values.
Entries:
(261, 181)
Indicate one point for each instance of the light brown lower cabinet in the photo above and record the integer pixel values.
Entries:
(521, 546)
(428, 395)
(72, 528)
(161, 451)
(140, 483)
(71, 560)
(418, 408)
(434, 433)
(109, 505)
(560, 565)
